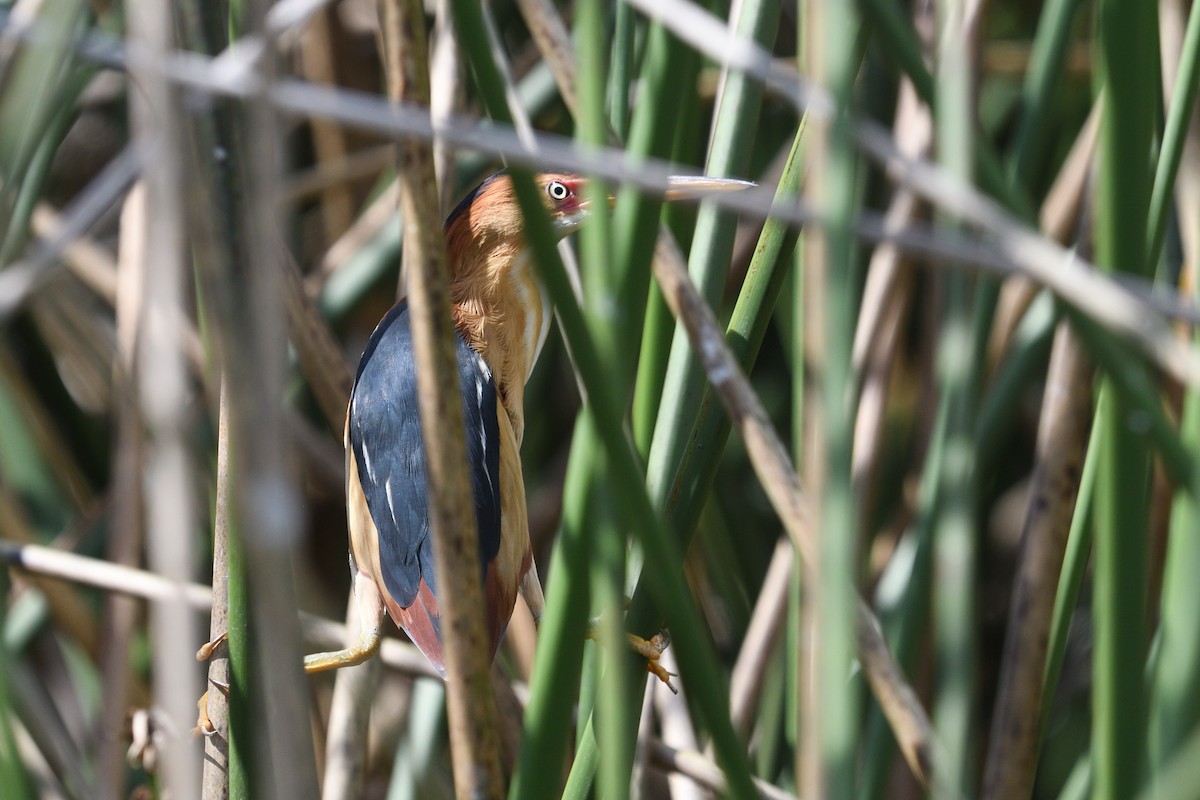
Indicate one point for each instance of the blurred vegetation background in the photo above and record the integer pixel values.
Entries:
(199, 230)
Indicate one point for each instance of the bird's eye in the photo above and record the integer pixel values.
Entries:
(557, 190)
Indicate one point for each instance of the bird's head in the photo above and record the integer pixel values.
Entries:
(499, 302)
(491, 216)
(489, 219)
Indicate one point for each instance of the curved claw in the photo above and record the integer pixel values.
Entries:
(652, 649)
(208, 648)
(204, 725)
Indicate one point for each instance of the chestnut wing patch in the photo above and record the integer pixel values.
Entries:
(389, 449)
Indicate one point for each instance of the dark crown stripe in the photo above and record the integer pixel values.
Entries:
(466, 202)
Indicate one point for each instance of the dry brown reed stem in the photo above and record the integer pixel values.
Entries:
(324, 366)
(914, 135)
(68, 611)
(60, 565)
(318, 63)
(1057, 218)
(127, 536)
(886, 297)
(87, 260)
(346, 744)
(510, 716)
(775, 471)
(381, 210)
(550, 34)
(676, 729)
(368, 162)
(704, 772)
(241, 285)
(1011, 762)
(471, 707)
(161, 376)
(215, 778)
(1062, 442)
(448, 93)
(321, 359)
(1172, 23)
(762, 636)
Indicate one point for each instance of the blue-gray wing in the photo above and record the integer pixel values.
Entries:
(385, 436)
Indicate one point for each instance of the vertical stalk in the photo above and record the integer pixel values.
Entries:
(658, 127)
(606, 539)
(1177, 671)
(1047, 61)
(1127, 49)
(1062, 437)
(831, 276)
(238, 238)
(559, 656)
(954, 542)
(12, 771)
(471, 706)
(163, 392)
(1176, 684)
(803, 421)
(1183, 102)
(621, 74)
(216, 785)
(241, 662)
(734, 128)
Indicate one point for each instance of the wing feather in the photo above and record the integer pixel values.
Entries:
(388, 448)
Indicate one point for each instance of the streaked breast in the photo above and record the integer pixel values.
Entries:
(533, 299)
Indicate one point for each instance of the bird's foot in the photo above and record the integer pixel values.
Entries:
(652, 649)
(205, 725)
(208, 648)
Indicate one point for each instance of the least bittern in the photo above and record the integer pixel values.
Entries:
(502, 315)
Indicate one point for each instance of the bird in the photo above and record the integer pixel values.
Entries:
(502, 314)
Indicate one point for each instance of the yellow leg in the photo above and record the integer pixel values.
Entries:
(370, 620)
(204, 725)
(531, 589)
(650, 649)
(366, 646)
(370, 615)
(208, 648)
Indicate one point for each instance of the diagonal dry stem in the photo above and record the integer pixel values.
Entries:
(778, 477)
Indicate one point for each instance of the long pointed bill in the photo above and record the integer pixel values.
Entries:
(690, 187)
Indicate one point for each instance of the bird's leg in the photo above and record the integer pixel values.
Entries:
(370, 615)
(205, 725)
(650, 649)
(530, 588)
(370, 620)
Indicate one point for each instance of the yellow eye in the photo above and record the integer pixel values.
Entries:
(557, 190)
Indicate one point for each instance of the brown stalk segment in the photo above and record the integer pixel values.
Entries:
(474, 740)
(1062, 440)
